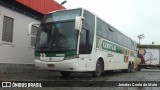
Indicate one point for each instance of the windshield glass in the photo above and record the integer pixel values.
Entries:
(62, 15)
(59, 36)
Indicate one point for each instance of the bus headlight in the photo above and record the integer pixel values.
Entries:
(70, 57)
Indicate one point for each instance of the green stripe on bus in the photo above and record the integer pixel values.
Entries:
(106, 45)
(50, 54)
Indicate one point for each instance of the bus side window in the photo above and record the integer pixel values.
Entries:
(84, 42)
(87, 36)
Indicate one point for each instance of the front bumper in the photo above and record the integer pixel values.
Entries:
(65, 65)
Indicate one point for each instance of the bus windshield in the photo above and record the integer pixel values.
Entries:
(62, 15)
(56, 37)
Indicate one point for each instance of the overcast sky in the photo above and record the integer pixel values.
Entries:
(131, 17)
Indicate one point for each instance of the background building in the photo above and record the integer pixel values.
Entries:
(16, 46)
(149, 54)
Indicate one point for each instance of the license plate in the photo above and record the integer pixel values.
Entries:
(51, 65)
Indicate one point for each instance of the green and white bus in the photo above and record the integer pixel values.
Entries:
(77, 40)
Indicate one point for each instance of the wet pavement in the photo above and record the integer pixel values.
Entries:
(143, 75)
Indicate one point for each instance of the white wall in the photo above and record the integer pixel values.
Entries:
(18, 52)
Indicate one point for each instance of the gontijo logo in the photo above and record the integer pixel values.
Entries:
(106, 45)
(103, 44)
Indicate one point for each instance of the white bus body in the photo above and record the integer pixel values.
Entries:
(84, 43)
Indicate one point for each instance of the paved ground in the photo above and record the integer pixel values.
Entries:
(144, 75)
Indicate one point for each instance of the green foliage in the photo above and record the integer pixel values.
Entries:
(148, 46)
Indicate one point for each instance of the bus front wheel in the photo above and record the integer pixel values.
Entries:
(99, 69)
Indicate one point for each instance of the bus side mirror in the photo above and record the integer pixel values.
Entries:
(30, 26)
(78, 23)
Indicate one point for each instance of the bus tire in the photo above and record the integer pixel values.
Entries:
(138, 68)
(99, 69)
(133, 66)
(65, 73)
(129, 68)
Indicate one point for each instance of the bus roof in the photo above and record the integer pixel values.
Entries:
(96, 17)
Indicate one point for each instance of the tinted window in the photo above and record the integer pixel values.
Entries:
(99, 28)
(56, 37)
(85, 47)
(62, 15)
(102, 28)
(110, 34)
(87, 35)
